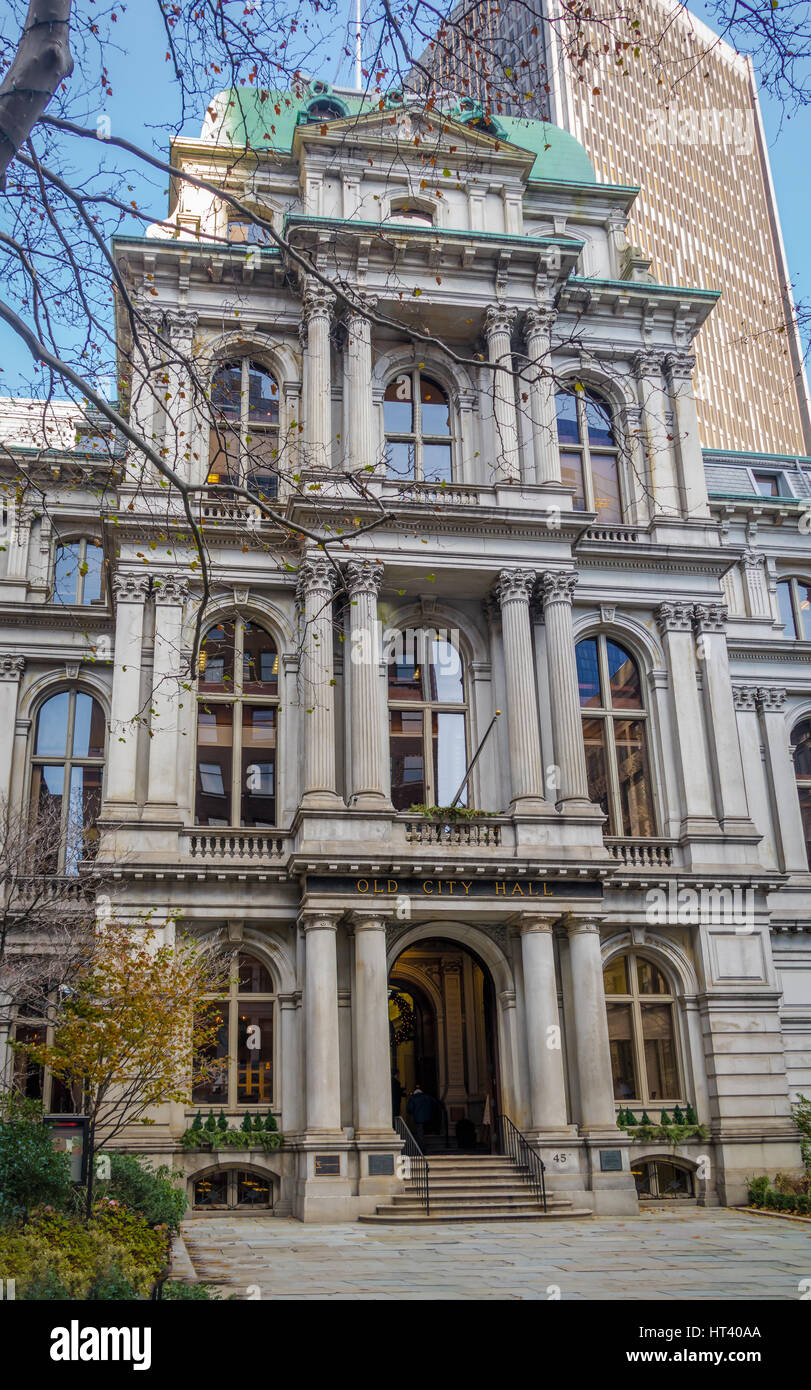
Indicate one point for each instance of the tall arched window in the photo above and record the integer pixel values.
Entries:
(417, 424)
(794, 599)
(427, 722)
(238, 1068)
(588, 453)
(801, 739)
(78, 569)
(244, 437)
(67, 767)
(642, 1034)
(237, 723)
(615, 734)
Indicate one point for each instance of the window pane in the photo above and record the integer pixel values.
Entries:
(622, 1051)
(399, 459)
(263, 395)
(606, 487)
(258, 765)
(252, 1191)
(615, 976)
(217, 658)
(634, 778)
(212, 1190)
(596, 766)
(660, 1052)
(88, 727)
(91, 591)
(445, 674)
(52, 725)
(804, 605)
(260, 660)
(84, 805)
(223, 455)
(598, 420)
(405, 678)
(768, 484)
(226, 388)
(450, 757)
(46, 801)
(255, 1054)
(398, 409)
(571, 472)
(66, 573)
(801, 738)
(407, 758)
(805, 812)
(626, 690)
(435, 408)
(254, 977)
(436, 463)
(651, 980)
(28, 1076)
(214, 764)
(786, 608)
(261, 463)
(210, 1071)
(588, 673)
(566, 407)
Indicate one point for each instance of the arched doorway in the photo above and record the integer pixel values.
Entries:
(442, 1033)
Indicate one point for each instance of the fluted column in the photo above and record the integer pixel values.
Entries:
(675, 621)
(321, 1022)
(317, 311)
(366, 770)
(316, 584)
(11, 670)
(557, 588)
(590, 1025)
(782, 780)
(537, 335)
(130, 592)
(514, 590)
(678, 368)
(710, 622)
(359, 425)
(171, 593)
(661, 470)
(498, 325)
(547, 1086)
(370, 1018)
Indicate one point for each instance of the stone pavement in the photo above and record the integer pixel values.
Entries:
(688, 1254)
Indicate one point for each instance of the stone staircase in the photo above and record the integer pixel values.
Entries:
(474, 1187)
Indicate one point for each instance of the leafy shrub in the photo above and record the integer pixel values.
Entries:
(151, 1192)
(175, 1290)
(57, 1256)
(47, 1287)
(111, 1284)
(31, 1171)
(756, 1191)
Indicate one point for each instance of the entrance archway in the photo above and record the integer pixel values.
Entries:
(443, 1037)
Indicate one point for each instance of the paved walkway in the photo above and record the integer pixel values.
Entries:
(694, 1254)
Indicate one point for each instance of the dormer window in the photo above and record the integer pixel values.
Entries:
(322, 106)
(243, 232)
(407, 210)
(771, 484)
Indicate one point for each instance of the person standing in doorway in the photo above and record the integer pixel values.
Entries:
(420, 1108)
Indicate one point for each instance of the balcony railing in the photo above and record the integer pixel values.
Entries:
(433, 494)
(251, 846)
(642, 854)
(485, 832)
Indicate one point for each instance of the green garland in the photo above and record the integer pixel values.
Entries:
(403, 1028)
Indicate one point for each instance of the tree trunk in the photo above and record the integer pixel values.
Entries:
(43, 60)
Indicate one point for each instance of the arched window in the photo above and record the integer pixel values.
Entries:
(78, 567)
(417, 425)
(801, 739)
(641, 1030)
(226, 1188)
(237, 1070)
(794, 599)
(588, 453)
(322, 106)
(244, 437)
(67, 767)
(427, 721)
(615, 734)
(243, 232)
(408, 210)
(237, 722)
(659, 1179)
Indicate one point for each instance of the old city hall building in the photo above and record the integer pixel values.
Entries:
(457, 343)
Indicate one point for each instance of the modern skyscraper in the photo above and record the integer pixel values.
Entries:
(681, 120)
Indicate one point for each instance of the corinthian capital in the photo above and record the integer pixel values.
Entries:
(363, 577)
(498, 318)
(515, 586)
(170, 588)
(11, 667)
(558, 586)
(130, 588)
(710, 617)
(648, 363)
(317, 301)
(679, 366)
(744, 696)
(355, 315)
(674, 617)
(316, 575)
(538, 323)
(770, 700)
(182, 325)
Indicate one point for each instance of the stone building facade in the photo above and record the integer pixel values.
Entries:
(555, 565)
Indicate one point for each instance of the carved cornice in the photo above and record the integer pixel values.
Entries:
(675, 617)
(363, 577)
(558, 586)
(498, 318)
(515, 586)
(130, 588)
(11, 667)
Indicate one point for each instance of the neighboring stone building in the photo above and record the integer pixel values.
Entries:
(625, 923)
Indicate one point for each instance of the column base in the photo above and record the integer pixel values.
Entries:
(369, 801)
(321, 801)
(532, 806)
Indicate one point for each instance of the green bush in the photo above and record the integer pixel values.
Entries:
(756, 1191)
(151, 1192)
(111, 1284)
(31, 1171)
(114, 1255)
(177, 1292)
(45, 1288)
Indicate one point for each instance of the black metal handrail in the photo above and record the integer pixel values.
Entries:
(417, 1169)
(517, 1147)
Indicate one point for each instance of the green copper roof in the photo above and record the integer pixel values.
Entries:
(240, 116)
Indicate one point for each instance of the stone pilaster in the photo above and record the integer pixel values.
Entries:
(546, 453)
(592, 1046)
(678, 368)
(370, 1018)
(755, 584)
(130, 593)
(366, 769)
(291, 1069)
(547, 1087)
(730, 790)
(317, 308)
(666, 499)
(771, 704)
(675, 621)
(514, 591)
(359, 425)
(323, 1079)
(11, 671)
(171, 592)
(179, 443)
(316, 585)
(498, 325)
(557, 587)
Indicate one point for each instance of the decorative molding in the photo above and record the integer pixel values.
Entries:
(11, 667)
(170, 589)
(515, 586)
(710, 617)
(745, 696)
(558, 586)
(131, 588)
(674, 617)
(316, 574)
(770, 701)
(363, 577)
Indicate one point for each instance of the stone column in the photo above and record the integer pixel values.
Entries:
(710, 624)
(171, 593)
(130, 592)
(497, 329)
(321, 1023)
(11, 670)
(291, 1063)
(317, 311)
(591, 1026)
(514, 590)
(663, 483)
(370, 1018)
(366, 772)
(547, 1086)
(537, 335)
(359, 425)
(679, 372)
(182, 325)
(316, 584)
(6, 1055)
(675, 621)
(558, 587)
(782, 781)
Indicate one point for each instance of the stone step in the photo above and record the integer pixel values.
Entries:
(478, 1186)
(393, 1215)
(473, 1204)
